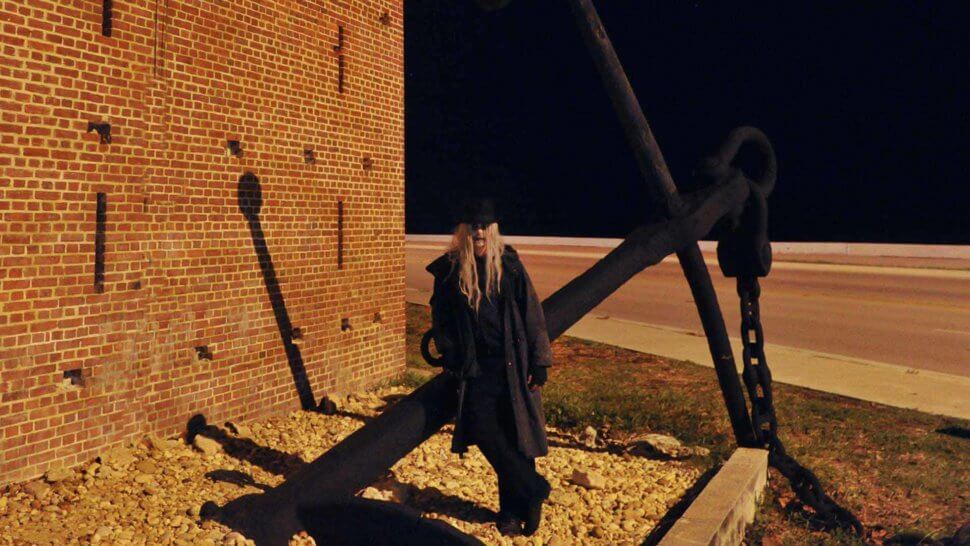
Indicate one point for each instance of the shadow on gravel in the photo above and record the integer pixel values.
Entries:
(358, 416)
(269, 459)
(235, 477)
(677, 510)
(352, 522)
(433, 500)
(244, 449)
(639, 450)
(390, 400)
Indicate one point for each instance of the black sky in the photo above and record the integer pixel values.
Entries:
(866, 103)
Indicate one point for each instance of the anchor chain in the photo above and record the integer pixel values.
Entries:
(757, 381)
(744, 252)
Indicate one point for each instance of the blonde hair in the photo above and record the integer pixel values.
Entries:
(463, 252)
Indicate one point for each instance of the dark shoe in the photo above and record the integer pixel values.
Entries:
(533, 512)
(533, 516)
(508, 524)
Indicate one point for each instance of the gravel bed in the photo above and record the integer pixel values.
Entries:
(150, 491)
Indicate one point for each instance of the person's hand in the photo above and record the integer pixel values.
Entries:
(537, 378)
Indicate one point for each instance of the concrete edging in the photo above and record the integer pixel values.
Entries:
(726, 505)
(840, 249)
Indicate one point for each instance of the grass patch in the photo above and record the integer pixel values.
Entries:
(898, 470)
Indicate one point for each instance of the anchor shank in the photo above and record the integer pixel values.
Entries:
(643, 247)
(649, 158)
(660, 183)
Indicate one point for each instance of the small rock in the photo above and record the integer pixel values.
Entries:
(634, 513)
(652, 511)
(589, 480)
(667, 446)
(206, 445)
(372, 493)
(562, 497)
(3, 505)
(235, 539)
(37, 489)
(118, 457)
(588, 437)
(142, 479)
(240, 431)
(146, 467)
(58, 474)
(189, 463)
(160, 444)
(394, 490)
(194, 510)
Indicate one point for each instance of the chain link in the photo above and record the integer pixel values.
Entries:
(757, 381)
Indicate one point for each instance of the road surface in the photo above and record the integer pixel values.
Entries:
(904, 312)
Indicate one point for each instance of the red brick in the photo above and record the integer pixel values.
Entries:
(174, 227)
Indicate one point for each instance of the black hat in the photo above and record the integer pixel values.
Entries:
(478, 210)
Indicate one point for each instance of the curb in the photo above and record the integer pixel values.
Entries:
(838, 249)
(726, 505)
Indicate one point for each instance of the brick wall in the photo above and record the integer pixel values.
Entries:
(201, 248)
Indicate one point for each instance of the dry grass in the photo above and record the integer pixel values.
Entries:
(897, 470)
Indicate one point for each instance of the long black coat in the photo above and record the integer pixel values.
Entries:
(526, 345)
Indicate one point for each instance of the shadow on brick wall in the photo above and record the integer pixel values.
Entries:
(250, 203)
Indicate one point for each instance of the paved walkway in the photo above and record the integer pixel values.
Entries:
(923, 390)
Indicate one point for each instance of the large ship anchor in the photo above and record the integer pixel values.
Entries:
(731, 206)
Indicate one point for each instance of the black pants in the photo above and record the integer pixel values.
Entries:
(491, 425)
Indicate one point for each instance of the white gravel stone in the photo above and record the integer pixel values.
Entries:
(146, 467)
(108, 507)
(588, 479)
(662, 444)
(37, 489)
(207, 446)
(118, 457)
(58, 474)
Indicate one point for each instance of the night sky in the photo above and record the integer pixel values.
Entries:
(866, 103)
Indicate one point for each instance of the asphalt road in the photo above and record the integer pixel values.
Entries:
(897, 311)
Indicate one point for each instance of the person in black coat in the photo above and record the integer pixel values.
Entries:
(488, 325)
